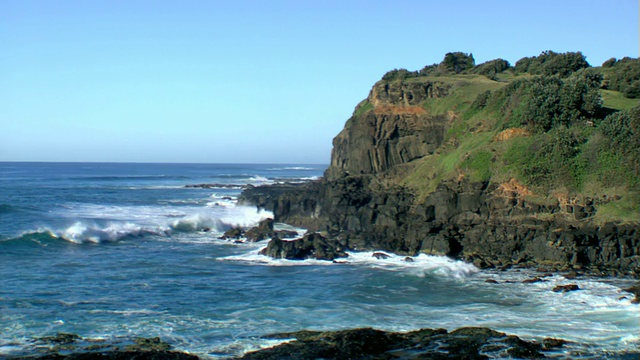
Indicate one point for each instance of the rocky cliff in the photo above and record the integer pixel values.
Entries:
(365, 202)
(397, 130)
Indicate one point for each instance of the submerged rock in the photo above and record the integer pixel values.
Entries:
(636, 291)
(566, 288)
(380, 255)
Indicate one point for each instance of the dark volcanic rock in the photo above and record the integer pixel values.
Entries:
(310, 246)
(232, 234)
(464, 343)
(362, 215)
(636, 291)
(73, 347)
(380, 255)
(263, 231)
(566, 288)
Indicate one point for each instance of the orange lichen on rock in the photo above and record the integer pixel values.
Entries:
(514, 189)
(399, 110)
(511, 133)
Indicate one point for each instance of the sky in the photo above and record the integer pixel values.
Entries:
(248, 81)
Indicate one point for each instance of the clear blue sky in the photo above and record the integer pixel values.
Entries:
(248, 81)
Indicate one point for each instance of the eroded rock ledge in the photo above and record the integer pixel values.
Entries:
(478, 222)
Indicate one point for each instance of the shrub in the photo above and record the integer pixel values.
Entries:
(625, 77)
(491, 68)
(545, 102)
(456, 63)
(399, 74)
(622, 131)
(551, 63)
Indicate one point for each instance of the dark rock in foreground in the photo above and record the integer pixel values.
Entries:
(566, 288)
(363, 343)
(464, 343)
(74, 347)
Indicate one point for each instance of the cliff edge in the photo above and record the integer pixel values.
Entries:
(494, 164)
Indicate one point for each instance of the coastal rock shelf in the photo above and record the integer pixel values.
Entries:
(365, 343)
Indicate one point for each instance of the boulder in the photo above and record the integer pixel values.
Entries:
(311, 246)
(380, 255)
(263, 231)
(566, 288)
(232, 234)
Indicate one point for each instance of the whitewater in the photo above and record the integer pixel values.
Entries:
(113, 251)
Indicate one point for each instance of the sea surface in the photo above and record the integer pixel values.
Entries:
(115, 251)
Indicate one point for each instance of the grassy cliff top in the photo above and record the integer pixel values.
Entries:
(551, 126)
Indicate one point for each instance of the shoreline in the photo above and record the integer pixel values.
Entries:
(358, 343)
(307, 344)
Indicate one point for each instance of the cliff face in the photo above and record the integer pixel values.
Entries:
(397, 130)
(491, 224)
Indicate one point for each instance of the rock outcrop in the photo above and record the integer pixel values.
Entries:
(310, 246)
(463, 343)
(362, 203)
(396, 131)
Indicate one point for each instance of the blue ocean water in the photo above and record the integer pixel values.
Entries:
(123, 250)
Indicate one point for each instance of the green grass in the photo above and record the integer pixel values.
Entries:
(589, 169)
(616, 101)
(464, 90)
(626, 209)
(363, 107)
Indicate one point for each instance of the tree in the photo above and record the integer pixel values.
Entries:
(551, 63)
(457, 62)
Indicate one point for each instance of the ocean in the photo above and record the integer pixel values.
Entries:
(115, 251)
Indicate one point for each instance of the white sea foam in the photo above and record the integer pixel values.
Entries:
(420, 265)
(223, 201)
(259, 180)
(298, 168)
(92, 223)
(245, 216)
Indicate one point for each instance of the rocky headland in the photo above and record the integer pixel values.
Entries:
(426, 165)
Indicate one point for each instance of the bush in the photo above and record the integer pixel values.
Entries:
(481, 100)
(399, 74)
(545, 102)
(552, 160)
(491, 68)
(456, 63)
(625, 77)
(609, 63)
(551, 63)
(622, 132)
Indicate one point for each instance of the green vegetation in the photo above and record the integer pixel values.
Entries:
(623, 76)
(550, 63)
(362, 108)
(552, 123)
(617, 101)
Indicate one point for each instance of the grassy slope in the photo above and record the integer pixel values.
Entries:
(472, 150)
